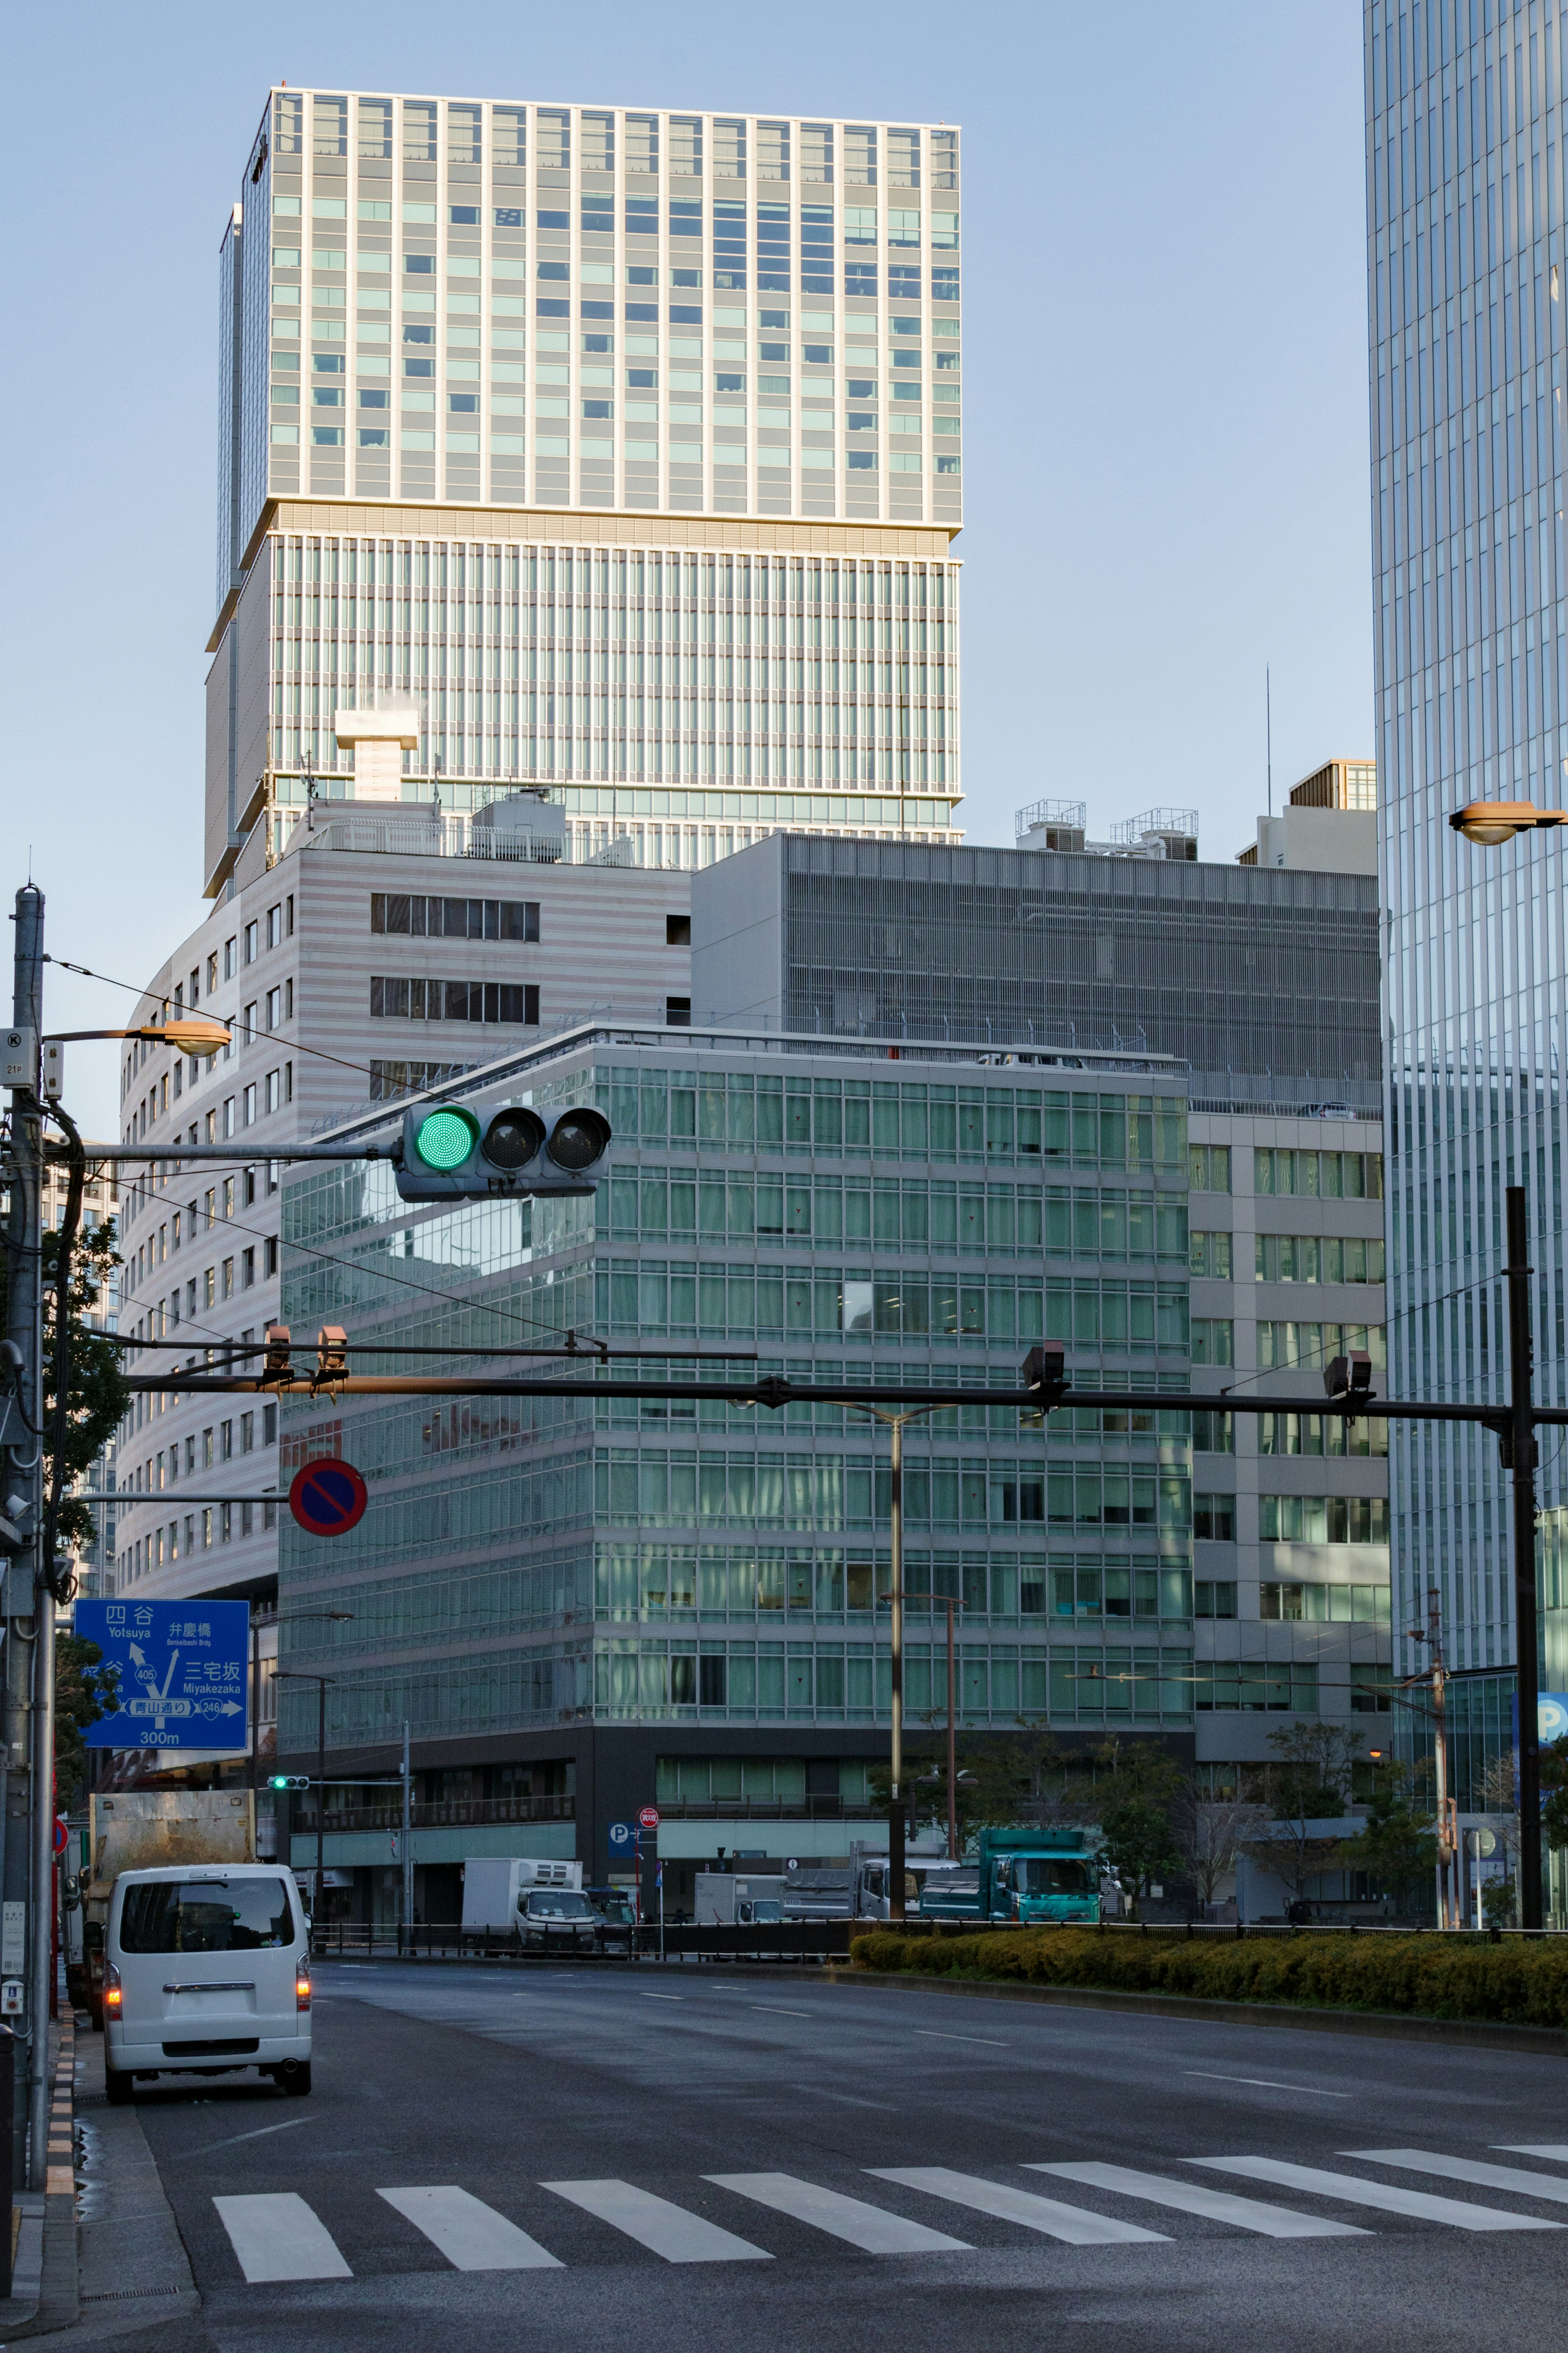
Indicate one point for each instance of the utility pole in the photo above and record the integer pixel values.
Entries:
(407, 1840)
(29, 1674)
(952, 1746)
(1518, 1456)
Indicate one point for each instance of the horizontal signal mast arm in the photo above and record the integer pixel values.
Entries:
(234, 1154)
(774, 1392)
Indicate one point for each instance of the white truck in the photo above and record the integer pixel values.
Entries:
(153, 1829)
(729, 1899)
(497, 1887)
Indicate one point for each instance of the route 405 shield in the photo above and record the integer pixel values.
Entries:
(182, 1668)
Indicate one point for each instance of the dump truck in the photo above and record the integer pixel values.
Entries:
(1026, 1876)
(153, 1829)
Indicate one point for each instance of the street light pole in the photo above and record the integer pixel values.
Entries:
(951, 1749)
(896, 1802)
(1521, 1458)
(305, 1675)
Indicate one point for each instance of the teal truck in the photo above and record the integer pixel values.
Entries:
(1028, 1876)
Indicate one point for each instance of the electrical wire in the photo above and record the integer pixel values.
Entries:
(363, 1070)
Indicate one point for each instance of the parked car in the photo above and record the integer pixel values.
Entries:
(557, 1920)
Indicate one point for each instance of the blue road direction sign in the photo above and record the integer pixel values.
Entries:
(183, 1672)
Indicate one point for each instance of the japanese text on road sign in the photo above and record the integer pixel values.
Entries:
(182, 1672)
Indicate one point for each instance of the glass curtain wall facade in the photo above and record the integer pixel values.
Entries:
(593, 306)
(1465, 160)
(530, 1565)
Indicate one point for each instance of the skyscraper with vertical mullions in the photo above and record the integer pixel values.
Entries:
(626, 445)
(1466, 258)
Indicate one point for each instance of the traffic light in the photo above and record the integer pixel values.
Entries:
(290, 1781)
(452, 1151)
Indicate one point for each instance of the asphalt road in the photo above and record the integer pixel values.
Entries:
(681, 2160)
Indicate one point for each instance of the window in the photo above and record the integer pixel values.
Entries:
(1322, 1519)
(396, 913)
(1214, 1433)
(677, 1012)
(392, 998)
(252, 939)
(1213, 1519)
(247, 1268)
(1213, 1596)
(270, 1245)
(1213, 1340)
(1327, 1175)
(227, 1284)
(1325, 1604)
(248, 1433)
(229, 947)
(1209, 1254)
(678, 930)
(1249, 1687)
(1318, 1258)
(1329, 1434)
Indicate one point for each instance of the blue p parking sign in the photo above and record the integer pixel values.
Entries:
(623, 1840)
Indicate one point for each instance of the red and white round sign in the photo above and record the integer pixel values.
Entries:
(648, 1818)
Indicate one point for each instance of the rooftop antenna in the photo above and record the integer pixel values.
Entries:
(1268, 733)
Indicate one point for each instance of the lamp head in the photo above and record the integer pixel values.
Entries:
(1490, 823)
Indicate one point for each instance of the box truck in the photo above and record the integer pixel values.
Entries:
(496, 1889)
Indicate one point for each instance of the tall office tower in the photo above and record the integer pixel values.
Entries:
(1465, 254)
(625, 446)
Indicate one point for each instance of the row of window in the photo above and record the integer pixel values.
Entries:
(330, 563)
(422, 1000)
(178, 1540)
(1287, 1347)
(1329, 1435)
(638, 1680)
(258, 1100)
(655, 1580)
(860, 1116)
(453, 919)
(1132, 1320)
(657, 1202)
(1291, 1258)
(415, 126)
(215, 1444)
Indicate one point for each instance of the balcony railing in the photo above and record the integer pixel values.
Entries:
(767, 1810)
(448, 1813)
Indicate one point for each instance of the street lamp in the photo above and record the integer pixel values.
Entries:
(1487, 823)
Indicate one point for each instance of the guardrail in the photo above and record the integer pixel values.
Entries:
(822, 1940)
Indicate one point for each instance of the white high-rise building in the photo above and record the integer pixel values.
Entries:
(624, 447)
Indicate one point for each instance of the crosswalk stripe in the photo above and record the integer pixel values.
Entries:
(1076, 2224)
(1468, 2168)
(870, 2228)
(665, 2229)
(277, 2237)
(471, 2235)
(1352, 2191)
(1196, 2198)
(1555, 2149)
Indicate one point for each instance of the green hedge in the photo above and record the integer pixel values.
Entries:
(1522, 1983)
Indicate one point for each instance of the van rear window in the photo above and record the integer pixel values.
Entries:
(206, 1915)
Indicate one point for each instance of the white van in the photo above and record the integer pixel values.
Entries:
(207, 1972)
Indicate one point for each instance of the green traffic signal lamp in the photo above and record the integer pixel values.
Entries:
(290, 1781)
(453, 1153)
(443, 1138)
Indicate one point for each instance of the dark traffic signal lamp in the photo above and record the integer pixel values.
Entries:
(452, 1151)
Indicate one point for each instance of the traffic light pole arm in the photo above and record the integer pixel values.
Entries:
(191, 1152)
(775, 1392)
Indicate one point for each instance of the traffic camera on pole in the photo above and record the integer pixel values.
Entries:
(452, 1151)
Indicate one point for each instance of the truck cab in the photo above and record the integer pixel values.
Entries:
(1028, 1877)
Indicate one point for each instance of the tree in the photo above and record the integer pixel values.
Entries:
(1398, 1848)
(1499, 1804)
(1136, 1832)
(1210, 1834)
(1308, 1784)
(1554, 1792)
(85, 1690)
(96, 1392)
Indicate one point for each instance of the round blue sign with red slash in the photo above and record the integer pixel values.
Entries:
(328, 1498)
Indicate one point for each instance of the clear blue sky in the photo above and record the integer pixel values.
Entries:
(1165, 459)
